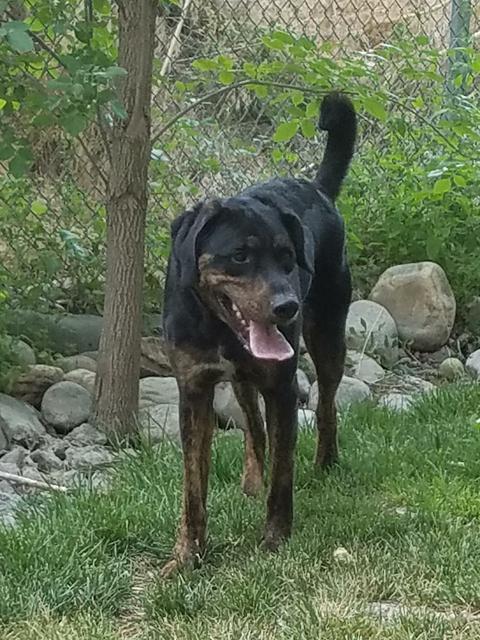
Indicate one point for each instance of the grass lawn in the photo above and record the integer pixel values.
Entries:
(404, 505)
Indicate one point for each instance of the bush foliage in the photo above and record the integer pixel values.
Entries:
(411, 195)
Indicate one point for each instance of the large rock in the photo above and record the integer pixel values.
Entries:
(227, 409)
(421, 301)
(83, 377)
(70, 363)
(67, 333)
(60, 333)
(9, 502)
(86, 435)
(19, 422)
(65, 406)
(10, 467)
(364, 367)
(306, 419)
(23, 353)
(451, 369)
(473, 364)
(371, 329)
(3, 439)
(158, 391)
(350, 391)
(56, 444)
(16, 456)
(472, 316)
(160, 421)
(46, 460)
(31, 384)
(397, 401)
(86, 458)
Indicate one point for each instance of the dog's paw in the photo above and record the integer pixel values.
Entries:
(185, 558)
(252, 485)
(170, 569)
(274, 536)
(325, 460)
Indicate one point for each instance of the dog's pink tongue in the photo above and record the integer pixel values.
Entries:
(268, 343)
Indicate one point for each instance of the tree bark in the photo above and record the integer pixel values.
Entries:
(116, 392)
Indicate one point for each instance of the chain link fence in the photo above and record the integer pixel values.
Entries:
(52, 245)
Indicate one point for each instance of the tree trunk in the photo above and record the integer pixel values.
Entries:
(116, 393)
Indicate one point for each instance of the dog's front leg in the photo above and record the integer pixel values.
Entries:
(196, 425)
(281, 408)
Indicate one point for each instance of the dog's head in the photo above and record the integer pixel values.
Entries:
(250, 263)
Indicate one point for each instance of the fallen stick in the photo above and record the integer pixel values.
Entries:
(29, 482)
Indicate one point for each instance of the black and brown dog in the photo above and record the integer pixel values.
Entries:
(246, 274)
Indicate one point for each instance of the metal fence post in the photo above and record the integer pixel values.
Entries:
(459, 31)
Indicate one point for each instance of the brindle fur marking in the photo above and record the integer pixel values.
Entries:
(328, 355)
(273, 255)
(251, 296)
(197, 422)
(253, 468)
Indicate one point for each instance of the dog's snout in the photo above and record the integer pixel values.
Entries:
(285, 309)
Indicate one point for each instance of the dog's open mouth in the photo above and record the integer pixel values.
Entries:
(262, 340)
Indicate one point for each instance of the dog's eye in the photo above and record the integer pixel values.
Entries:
(240, 256)
(287, 259)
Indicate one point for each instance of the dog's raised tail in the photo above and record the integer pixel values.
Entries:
(338, 118)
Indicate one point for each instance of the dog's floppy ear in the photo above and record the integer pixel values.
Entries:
(302, 239)
(185, 233)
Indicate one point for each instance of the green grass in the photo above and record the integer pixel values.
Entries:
(405, 504)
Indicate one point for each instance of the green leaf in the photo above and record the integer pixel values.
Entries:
(74, 123)
(39, 207)
(250, 69)
(226, 77)
(308, 127)
(114, 72)
(442, 186)
(297, 97)
(285, 131)
(21, 163)
(225, 63)
(83, 32)
(102, 7)
(277, 155)
(312, 109)
(375, 108)
(18, 37)
(459, 181)
(283, 36)
(118, 109)
(422, 40)
(418, 103)
(2, 103)
(6, 152)
(433, 245)
(261, 91)
(205, 64)
(273, 43)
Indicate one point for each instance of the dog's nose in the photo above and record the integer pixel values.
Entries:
(286, 309)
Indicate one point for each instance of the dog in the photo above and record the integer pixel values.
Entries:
(246, 275)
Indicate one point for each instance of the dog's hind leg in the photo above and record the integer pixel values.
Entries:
(281, 407)
(196, 425)
(254, 461)
(326, 345)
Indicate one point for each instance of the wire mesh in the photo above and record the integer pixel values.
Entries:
(53, 258)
